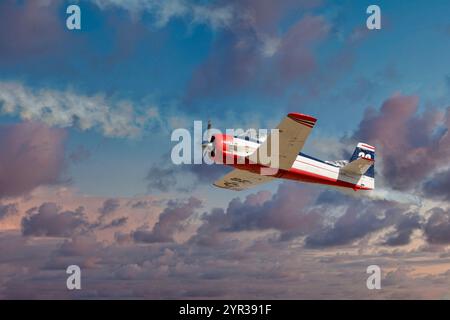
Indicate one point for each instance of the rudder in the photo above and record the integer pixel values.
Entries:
(364, 150)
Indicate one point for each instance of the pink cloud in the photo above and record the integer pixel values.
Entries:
(296, 57)
(31, 155)
(253, 48)
(412, 145)
(37, 28)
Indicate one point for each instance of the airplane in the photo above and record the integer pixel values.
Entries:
(357, 173)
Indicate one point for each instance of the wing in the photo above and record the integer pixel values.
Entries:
(239, 180)
(358, 166)
(293, 132)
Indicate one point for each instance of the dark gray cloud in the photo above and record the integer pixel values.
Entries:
(216, 261)
(119, 222)
(404, 229)
(8, 210)
(288, 211)
(208, 234)
(437, 228)
(438, 186)
(207, 173)
(140, 204)
(333, 198)
(326, 219)
(169, 221)
(161, 179)
(109, 206)
(361, 218)
(49, 221)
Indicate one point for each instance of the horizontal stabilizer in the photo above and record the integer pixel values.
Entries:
(358, 166)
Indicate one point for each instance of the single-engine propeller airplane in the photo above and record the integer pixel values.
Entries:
(357, 173)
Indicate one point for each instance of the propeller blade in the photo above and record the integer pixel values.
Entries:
(208, 129)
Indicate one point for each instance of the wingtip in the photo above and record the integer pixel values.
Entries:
(301, 116)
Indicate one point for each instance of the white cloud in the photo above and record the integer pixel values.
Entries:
(165, 10)
(68, 108)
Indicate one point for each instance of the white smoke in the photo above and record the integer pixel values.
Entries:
(394, 195)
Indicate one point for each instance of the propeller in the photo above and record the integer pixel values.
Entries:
(208, 145)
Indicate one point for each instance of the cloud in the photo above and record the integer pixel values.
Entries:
(246, 268)
(412, 145)
(438, 186)
(363, 216)
(109, 206)
(161, 179)
(437, 228)
(287, 211)
(360, 218)
(323, 218)
(182, 178)
(164, 11)
(31, 155)
(116, 223)
(404, 229)
(169, 221)
(79, 245)
(144, 204)
(27, 19)
(49, 221)
(281, 228)
(296, 58)
(8, 210)
(253, 47)
(207, 173)
(225, 251)
(71, 109)
(123, 219)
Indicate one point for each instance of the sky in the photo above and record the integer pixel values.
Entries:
(86, 178)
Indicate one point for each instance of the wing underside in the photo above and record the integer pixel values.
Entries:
(240, 180)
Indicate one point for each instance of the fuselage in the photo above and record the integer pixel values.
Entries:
(305, 168)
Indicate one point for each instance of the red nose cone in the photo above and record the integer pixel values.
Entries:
(222, 142)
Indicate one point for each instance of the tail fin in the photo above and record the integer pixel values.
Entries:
(364, 150)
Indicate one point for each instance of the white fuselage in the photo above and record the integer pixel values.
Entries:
(304, 168)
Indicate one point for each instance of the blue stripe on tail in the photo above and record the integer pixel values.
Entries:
(364, 152)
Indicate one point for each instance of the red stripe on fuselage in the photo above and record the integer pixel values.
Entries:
(296, 174)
